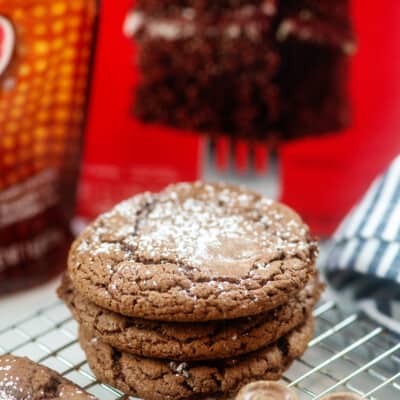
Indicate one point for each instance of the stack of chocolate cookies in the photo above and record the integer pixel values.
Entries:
(193, 292)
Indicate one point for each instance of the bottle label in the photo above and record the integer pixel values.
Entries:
(29, 199)
(7, 43)
(21, 203)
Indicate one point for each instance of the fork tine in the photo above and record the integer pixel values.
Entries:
(237, 157)
(261, 158)
(241, 156)
(222, 150)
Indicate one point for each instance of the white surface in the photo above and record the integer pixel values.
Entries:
(15, 307)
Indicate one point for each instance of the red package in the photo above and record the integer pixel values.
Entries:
(321, 177)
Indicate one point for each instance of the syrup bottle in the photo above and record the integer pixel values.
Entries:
(45, 52)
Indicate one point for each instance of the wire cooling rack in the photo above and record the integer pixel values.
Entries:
(348, 353)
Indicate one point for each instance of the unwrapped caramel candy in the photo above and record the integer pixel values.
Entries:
(264, 390)
(342, 396)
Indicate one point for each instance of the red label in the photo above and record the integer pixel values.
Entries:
(7, 43)
(321, 177)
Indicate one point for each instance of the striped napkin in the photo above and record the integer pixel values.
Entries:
(363, 261)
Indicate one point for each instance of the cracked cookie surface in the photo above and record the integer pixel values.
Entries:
(155, 379)
(190, 341)
(21, 378)
(193, 252)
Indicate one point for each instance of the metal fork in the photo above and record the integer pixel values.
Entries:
(240, 162)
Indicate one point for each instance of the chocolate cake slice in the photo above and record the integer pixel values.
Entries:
(315, 42)
(252, 69)
(212, 72)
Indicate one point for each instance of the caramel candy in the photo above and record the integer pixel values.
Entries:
(342, 396)
(264, 390)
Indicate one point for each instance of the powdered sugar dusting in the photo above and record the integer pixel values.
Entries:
(21, 378)
(181, 369)
(216, 230)
(9, 384)
(4, 395)
(222, 229)
(196, 233)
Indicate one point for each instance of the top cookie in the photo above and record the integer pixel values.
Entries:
(193, 252)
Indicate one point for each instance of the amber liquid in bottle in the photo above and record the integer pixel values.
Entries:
(45, 53)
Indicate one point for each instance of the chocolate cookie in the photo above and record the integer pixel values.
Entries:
(194, 252)
(21, 378)
(155, 379)
(190, 341)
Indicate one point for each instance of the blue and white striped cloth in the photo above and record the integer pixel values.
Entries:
(363, 262)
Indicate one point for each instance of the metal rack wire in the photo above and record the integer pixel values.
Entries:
(349, 352)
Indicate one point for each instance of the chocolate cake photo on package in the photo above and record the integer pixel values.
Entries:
(252, 69)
